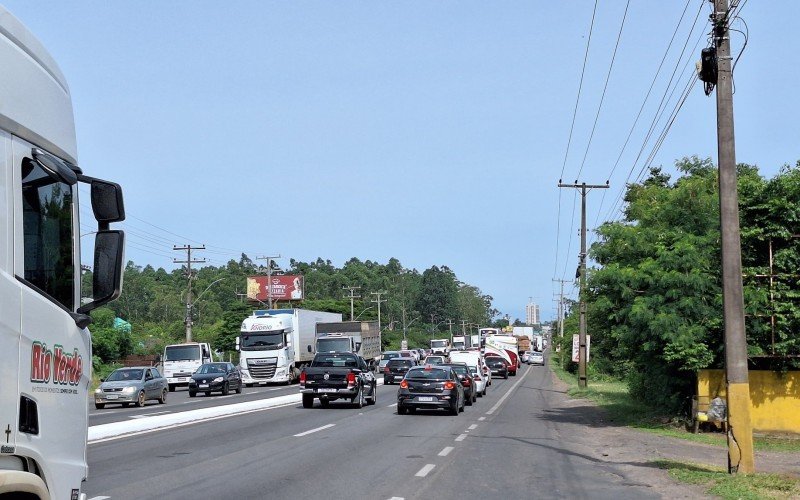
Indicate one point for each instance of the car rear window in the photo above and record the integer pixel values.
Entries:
(400, 362)
(460, 369)
(428, 373)
(334, 360)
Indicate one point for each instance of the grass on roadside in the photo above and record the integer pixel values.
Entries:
(612, 395)
(739, 486)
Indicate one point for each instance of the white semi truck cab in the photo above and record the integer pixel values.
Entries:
(440, 346)
(266, 350)
(45, 346)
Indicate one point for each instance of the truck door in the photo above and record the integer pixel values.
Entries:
(54, 354)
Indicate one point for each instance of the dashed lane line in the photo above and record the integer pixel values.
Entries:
(481, 419)
(461, 437)
(425, 470)
(473, 427)
(312, 431)
(446, 451)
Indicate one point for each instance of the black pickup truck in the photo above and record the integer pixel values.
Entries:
(338, 375)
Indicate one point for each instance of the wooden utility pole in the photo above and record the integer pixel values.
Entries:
(352, 297)
(740, 431)
(582, 378)
(189, 261)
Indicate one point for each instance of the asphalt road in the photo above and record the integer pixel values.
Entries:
(507, 445)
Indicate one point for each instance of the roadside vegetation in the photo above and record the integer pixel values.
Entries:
(727, 486)
(654, 297)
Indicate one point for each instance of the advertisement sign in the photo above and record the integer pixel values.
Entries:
(576, 344)
(283, 287)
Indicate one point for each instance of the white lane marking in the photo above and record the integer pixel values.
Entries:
(481, 419)
(446, 451)
(425, 470)
(462, 437)
(397, 498)
(473, 427)
(392, 405)
(312, 431)
(99, 498)
(507, 394)
(149, 414)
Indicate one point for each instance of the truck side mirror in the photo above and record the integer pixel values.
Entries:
(109, 246)
(107, 203)
(358, 346)
(309, 347)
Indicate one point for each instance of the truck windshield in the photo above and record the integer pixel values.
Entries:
(334, 345)
(182, 353)
(261, 341)
(335, 360)
(438, 343)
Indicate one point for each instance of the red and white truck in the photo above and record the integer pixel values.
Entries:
(45, 345)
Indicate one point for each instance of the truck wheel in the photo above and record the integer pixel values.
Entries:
(248, 385)
(324, 402)
(308, 400)
(171, 388)
(99, 406)
(163, 398)
(140, 400)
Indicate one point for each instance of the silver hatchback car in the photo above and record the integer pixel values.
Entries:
(133, 385)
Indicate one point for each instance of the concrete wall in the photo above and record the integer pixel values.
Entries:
(774, 397)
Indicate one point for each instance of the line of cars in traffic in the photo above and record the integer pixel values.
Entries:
(138, 384)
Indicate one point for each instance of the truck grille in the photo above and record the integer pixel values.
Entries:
(261, 369)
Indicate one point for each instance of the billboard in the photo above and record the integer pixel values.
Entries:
(283, 287)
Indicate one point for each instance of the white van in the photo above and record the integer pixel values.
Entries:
(474, 358)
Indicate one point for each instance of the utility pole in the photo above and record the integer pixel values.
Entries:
(740, 431)
(378, 301)
(582, 379)
(463, 327)
(352, 296)
(269, 259)
(561, 307)
(450, 326)
(189, 261)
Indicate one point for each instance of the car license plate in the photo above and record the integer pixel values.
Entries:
(182, 379)
(112, 396)
(426, 398)
(202, 386)
(326, 390)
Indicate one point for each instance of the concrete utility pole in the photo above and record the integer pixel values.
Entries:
(463, 327)
(740, 431)
(378, 301)
(189, 261)
(269, 259)
(352, 296)
(582, 379)
(450, 325)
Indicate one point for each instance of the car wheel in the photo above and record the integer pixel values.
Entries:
(359, 399)
(506, 375)
(239, 388)
(454, 410)
(468, 402)
(140, 400)
(401, 410)
(463, 405)
(208, 393)
(248, 385)
(324, 402)
(192, 394)
(163, 398)
(125, 405)
(171, 388)
(484, 390)
(225, 389)
(474, 398)
(99, 406)
(308, 400)
(374, 398)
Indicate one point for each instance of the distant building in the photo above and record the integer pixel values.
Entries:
(532, 314)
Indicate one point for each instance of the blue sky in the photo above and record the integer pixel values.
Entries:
(430, 131)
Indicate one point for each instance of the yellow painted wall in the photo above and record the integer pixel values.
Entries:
(774, 397)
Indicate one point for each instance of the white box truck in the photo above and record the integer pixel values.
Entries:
(182, 360)
(459, 342)
(274, 344)
(359, 337)
(45, 346)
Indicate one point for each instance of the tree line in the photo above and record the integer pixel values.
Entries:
(654, 295)
(418, 304)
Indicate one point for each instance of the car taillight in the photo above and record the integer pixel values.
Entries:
(302, 378)
(465, 382)
(403, 384)
(477, 377)
(351, 379)
(449, 385)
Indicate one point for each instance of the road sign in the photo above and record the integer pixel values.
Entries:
(576, 343)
